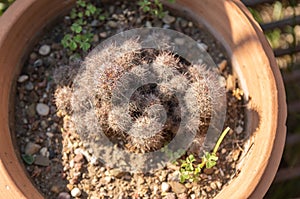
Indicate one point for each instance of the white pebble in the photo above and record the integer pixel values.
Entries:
(107, 179)
(239, 130)
(76, 192)
(42, 109)
(23, 78)
(168, 19)
(71, 164)
(203, 46)
(165, 187)
(50, 135)
(44, 152)
(44, 50)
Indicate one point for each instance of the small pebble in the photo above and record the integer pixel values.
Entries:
(116, 173)
(42, 161)
(96, 38)
(78, 158)
(55, 189)
(42, 109)
(230, 83)
(23, 78)
(94, 23)
(170, 196)
(103, 34)
(107, 179)
(182, 196)
(177, 187)
(112, 24)
(213, 185)
(223, 150)
(44, 152)
(50, 135)
(29, 86)
(75, 192)
(64, 195)
(44, 50)
(239, 130)
(165, 187)
(222, 65)
(208, 171)
(183, 23)
(202, 46)
(33, 56)
(30, 111)
(148, 24)
(219, 184)
(38, 63)
(31, 148)
(168, 19)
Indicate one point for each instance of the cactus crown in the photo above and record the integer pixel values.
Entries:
(139, 98)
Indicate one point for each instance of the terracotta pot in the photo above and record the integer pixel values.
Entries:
(228, 21)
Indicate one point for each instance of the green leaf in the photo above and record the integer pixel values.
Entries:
(211, 160)
(80, 15)
(66, 40)
(28, 159)
(85, 46)
(91, 8)
(77, 38)
(75, 57)
(191, 158)
(76, 28)
(73, 45)
(87, 13)
(102, 17)
(73, 14)
(81, 3)
(80, 22)
(197, 169)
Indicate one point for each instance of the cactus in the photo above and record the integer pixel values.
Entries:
(173, 93)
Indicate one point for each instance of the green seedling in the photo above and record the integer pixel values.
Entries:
(153, 7)
(81, 36)
(189, 171)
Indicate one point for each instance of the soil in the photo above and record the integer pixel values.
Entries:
(64, 166)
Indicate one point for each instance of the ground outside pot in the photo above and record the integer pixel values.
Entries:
(230, 23)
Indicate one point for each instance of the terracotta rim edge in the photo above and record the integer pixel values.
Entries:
(15, 182)
(277, 105)
(279, 143)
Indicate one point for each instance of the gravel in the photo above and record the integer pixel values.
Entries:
(64, 162)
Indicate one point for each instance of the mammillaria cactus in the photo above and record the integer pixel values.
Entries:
(140, 98)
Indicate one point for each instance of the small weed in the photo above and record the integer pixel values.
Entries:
(154, 7)
(189, 171)
(81, 36)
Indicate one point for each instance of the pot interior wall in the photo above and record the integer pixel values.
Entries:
(22, 22)
(260, 78)
(20, 26)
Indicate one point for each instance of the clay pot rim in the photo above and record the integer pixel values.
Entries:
(16, 184)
